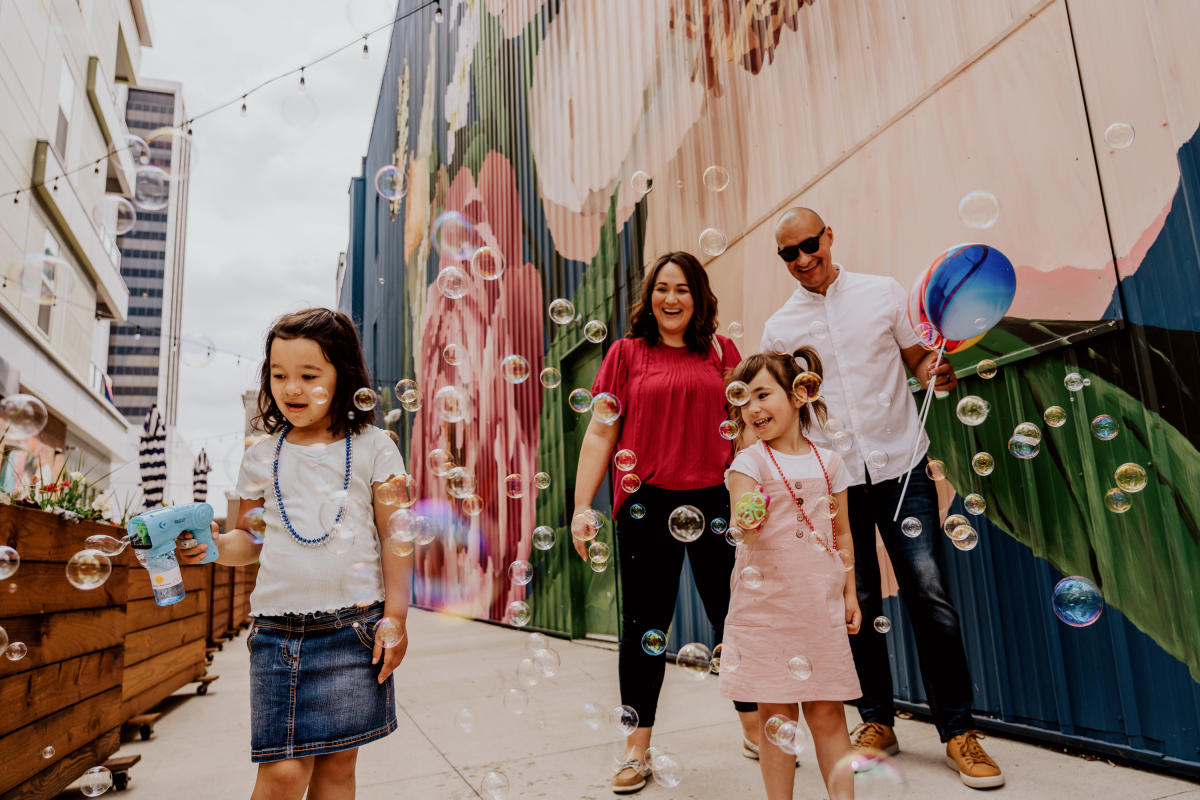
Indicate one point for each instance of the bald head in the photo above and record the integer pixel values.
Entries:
(800, 221)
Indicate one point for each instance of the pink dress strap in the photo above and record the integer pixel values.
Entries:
(765, 473)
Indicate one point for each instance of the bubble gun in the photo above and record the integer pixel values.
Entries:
(152, 536)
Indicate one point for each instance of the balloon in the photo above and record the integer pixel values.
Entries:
(969, 290)
(919, 319)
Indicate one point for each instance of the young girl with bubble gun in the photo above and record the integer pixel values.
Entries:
(793, 602)
(330, 605)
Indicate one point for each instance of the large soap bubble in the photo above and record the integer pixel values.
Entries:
(22, 416)
(1077, 601)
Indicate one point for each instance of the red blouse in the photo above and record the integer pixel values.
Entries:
(673, 404)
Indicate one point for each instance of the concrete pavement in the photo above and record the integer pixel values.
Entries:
(201, 746)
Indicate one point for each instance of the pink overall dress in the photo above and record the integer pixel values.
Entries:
(798, 610)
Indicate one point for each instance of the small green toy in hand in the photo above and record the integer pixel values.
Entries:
(751, 509)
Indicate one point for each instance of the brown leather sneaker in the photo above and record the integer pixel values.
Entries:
(966, 756)
(874, 736)
(630, 777)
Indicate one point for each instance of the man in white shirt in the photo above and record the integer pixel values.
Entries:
(859, 326)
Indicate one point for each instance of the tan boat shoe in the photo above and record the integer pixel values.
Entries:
(874, 736)
(966, 756)
(630, 776)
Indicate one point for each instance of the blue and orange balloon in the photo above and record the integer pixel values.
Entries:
(961, 296)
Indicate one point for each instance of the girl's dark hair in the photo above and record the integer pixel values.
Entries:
(784, 369)
(335, 334)
(703, 324)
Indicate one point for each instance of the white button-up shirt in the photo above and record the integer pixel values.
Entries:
(858, 328)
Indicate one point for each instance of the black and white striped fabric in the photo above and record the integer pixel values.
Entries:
(152, 458)
(200, 477)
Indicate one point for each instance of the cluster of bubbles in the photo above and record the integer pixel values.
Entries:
(712, 240)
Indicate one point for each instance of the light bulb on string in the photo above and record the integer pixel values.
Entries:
(244, 105)
(438, 16)
(366, 52)
(302, 79)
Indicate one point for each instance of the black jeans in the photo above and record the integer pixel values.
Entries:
(651, 561)
(935, 622)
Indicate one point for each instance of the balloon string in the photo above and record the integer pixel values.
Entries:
(920, 425)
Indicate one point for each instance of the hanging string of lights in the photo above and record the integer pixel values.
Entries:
(241, 97)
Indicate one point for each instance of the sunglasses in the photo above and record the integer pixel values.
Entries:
(809, 246)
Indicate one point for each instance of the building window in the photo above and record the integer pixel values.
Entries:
(47, 281)
(66, 102)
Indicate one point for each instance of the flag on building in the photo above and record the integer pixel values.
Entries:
(152, 458)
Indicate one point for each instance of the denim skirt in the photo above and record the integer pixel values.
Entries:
(313, 688)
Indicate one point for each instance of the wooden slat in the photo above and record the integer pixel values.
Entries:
(140, 645)
(49, 782)
(43, 588)
(30, 695)
(155, 694)
(194, 579)
(42, 537)
(67, 731)
(139, 677)
(146, 613)
(57, 637)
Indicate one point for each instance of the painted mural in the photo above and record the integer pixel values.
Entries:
(571, 141)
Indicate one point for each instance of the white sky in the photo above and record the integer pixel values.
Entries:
(268, 203)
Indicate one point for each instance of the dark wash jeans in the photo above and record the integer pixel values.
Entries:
(923, 589)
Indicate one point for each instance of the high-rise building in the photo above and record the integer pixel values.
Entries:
(144, 351)
(63, 141)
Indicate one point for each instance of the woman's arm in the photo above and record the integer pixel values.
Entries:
(236, 547)
(841, 524)
(397, 588)
(594, 455)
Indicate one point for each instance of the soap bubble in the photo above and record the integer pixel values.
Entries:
(686, 523)
(390, 182)
(1073, 381)
(780, 731)
(580, 400)
(696, 660)
(826, 506)
(630, 483)
(957, 533)
(884, 399)
(969, 539)
(727, 656)
(547, 662)
(599, 552)
(911, 527)
(487, 263)
(541, 480)
(713, 241)
(550, 378)
(16, 651)
(752, 577)
(983, 463)
(1077, 602)
(842, 442)
(1104, 427)
(319, 395)
(1028, 430)
(106, 544)
(818, 329)
(718, 525)
(866, 775)
(514, 369)
(151, 188)
(877, 459)
(625, 460)
(716, 178)
(1024, 447)
(1117, 501)
(95, 782)
(138, 149)
(452, 282)
(543, 537)
(808, 385)
(464, 719)
(562, 311)
(914, 385)
(527, 673)
(452, 354)
(451, 403)
(654, 642)
(48, 751)
(520, 572)
(728, 430)
(736, 330)
(778, 346)
(592, 716)
(800, 668)
(734, 536)
(518, 613)
(737, 393)
(514, 486)
(882, 624)
(516, 700)
(440, 462)
(454, 236)
(975, 504)
(606, 407)
(972, 410)
(10, 560)
(595, 331)
(1131, 477)
(365, 399)
(986, 369)
(406, 489)
(196, 350)
(637, 511)
(641, 182)
(936, 470)
(388, 633)
(1055, 416)
(978, 209)
(589, 525)
(1119, 135)
(119, 210)
(22, 416)
(624, 719)
(88, 569)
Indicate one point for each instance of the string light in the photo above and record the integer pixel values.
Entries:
(438, 16)
(243, 105)
(366, 52)
(302, 79)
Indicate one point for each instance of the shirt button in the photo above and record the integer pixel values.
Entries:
(798, 484)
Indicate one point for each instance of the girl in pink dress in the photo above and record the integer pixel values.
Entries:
(793, 602)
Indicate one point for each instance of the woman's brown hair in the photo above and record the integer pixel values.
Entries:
(784, 369)
(703, 324)
(335, 334)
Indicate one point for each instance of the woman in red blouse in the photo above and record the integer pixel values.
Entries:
(668, 372)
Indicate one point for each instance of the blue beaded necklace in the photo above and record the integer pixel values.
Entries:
(320, 540)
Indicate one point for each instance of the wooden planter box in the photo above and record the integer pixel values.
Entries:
(66, 693)
(164, 645)
(221, 607)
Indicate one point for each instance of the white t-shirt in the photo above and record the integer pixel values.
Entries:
(858, 328)
(795, 467)
(298, 579)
